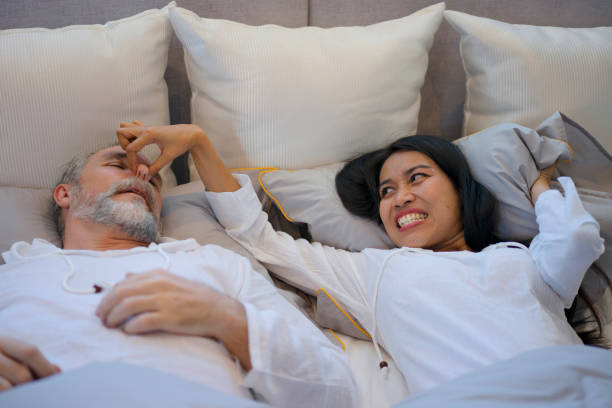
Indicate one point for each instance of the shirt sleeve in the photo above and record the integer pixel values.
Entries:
(293, 363)
(308, 266)
(568, 241)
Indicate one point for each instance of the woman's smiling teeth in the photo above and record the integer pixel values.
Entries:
(410, 218)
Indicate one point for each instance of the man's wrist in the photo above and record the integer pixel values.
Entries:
(233, 330)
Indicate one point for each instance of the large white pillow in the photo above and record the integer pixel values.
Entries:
(65, 91)
(521, 73)
(302, 97)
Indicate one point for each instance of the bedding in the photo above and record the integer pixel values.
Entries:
(116, 384)
(66, 90)
(294, 98)
(550, 377)
(521, 73)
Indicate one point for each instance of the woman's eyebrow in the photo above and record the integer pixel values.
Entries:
(407, 172)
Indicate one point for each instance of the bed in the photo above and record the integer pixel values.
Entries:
(287, 90)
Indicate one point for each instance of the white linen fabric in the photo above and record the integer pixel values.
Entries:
(521, 73)
(478, 308)
(549, 377)
(302, 97)
(66, 90)
(293, 363)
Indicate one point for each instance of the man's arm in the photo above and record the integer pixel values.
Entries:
(289, 361)
(21, 362)
(159, 300)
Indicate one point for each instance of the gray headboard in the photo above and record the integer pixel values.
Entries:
(444, 90)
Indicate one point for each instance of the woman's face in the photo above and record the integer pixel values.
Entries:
(419, 205)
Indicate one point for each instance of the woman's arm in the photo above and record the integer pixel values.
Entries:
(293, 363)
(568, 240)
(308, 266)
(174, 140)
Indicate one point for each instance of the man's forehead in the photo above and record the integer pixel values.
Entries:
(115, 152)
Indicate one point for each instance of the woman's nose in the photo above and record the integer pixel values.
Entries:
(404, 196)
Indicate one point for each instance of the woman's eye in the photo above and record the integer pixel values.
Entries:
(384, 191)
(417, 177)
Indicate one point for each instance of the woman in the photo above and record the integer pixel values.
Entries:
(444, 302)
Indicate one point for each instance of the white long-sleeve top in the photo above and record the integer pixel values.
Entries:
(293, 363)
(439, 314)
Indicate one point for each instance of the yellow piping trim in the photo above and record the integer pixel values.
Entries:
(338, 338)
(263, 187)
(280, 207)
(342, 310)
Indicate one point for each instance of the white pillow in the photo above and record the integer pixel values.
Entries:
(65, 91)
(302, 97)
(521, 73)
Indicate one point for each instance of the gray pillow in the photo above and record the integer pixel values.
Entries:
(187, 214)
(25, 216)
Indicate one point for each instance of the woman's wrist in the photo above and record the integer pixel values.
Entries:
(540, 186)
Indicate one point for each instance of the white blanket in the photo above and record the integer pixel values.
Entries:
(551, 377)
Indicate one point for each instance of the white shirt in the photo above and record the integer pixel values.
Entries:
(440, 314)
(293, 363)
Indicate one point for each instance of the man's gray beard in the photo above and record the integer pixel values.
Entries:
(131, 217)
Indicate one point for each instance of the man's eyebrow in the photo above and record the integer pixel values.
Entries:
(407, 172)
(114, 155)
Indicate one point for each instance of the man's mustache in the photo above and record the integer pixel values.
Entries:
(136, 185)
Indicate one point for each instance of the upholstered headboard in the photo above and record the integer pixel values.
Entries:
(443, 93)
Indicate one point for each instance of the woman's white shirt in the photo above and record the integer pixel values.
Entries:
(439, 314)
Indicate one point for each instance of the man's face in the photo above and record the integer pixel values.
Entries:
(110, 193)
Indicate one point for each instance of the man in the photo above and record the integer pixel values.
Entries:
(115, 292)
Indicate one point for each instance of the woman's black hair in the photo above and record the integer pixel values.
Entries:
(357, 185)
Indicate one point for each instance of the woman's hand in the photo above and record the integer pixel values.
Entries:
(172, 140)
(21, 362)
(542, 183)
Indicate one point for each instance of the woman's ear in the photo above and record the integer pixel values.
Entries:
(62, 195)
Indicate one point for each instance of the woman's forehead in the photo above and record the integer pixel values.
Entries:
(399, 162)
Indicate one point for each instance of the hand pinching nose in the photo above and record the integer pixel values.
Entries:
(142, 172)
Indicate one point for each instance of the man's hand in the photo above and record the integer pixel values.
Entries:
(21, 362)
(158, 300)
(542, 183)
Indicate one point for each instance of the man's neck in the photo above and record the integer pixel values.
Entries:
(80, 234)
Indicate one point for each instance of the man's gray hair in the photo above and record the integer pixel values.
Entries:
(71, 175)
